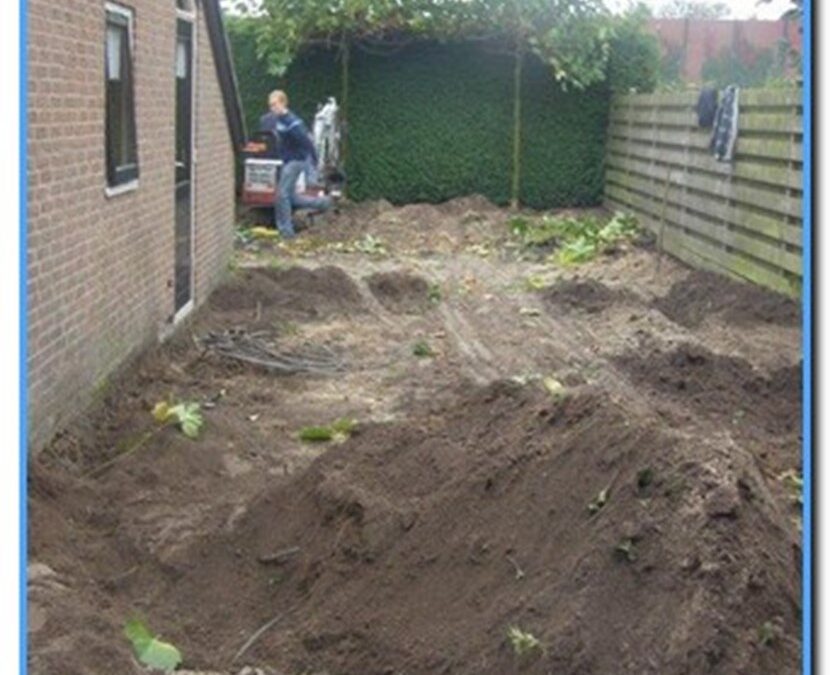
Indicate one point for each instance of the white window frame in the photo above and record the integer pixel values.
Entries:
(129, 15)
(190, 17)
(187, 14)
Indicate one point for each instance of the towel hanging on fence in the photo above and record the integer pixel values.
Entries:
(707, 106)
(725, 131)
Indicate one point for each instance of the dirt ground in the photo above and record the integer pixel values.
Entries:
(596, 455)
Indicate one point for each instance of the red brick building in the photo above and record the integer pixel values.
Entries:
(694, 42)
(133, 116)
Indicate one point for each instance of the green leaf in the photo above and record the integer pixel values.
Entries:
(149, 650)
(599, 502)
(316, 434)
(522, 641)
(645, 477)
(555, 388)
(189, 418)
(186, 414)
(344, 425)
(422, 349)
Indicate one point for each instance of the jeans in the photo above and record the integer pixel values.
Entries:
(312, 176)
(288, 198)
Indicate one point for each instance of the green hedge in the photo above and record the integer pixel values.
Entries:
(434, 121)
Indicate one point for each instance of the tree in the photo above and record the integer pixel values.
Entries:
(241, 7)
(571, 36)
(796, 10)
(694, 9)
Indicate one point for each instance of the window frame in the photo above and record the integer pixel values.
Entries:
(123, 178)
(188, 14)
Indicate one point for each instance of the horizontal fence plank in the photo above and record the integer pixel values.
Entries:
(664, 99)
(719, 233)
(770, 199)
(707, 256)
(751, 98)
(790, 96)
(771, 148)
(777, 173)
(742, 218)
(785, 122)
(764, 224)
(695, 138)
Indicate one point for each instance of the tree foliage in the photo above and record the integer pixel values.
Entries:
(635, 61)
(694, 9)
(571, 36)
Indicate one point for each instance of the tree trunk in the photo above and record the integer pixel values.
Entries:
(344, 97)
(517, 128)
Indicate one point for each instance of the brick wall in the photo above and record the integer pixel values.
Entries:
(100, 268)
(698, 40)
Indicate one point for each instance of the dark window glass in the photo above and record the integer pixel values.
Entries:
(122, 154)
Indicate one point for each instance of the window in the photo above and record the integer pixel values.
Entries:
(122, 154)
(185, 6)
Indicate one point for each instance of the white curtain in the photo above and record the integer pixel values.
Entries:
(181, 60)
(114, 38)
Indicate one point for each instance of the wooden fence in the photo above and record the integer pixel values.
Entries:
(742, 218)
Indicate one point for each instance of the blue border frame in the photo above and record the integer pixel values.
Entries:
(807, 343)
(24, 539)
(807, 340)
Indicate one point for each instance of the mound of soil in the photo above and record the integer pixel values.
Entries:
(400, 292)
(415, 546)
(721, 386)
(702, 294)
(293, 293)
(589, 296)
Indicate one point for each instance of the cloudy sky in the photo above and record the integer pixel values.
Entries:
(741, 9)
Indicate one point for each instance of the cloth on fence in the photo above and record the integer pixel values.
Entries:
(707, 106)
(725, 131)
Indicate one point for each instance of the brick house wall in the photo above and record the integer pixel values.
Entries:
(698, 40)
(100, 269)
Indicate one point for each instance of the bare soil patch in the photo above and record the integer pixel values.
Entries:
(633, 523)
(703, 294)
(583, 295)
(400, 292)
(721, 386)
(296, 292)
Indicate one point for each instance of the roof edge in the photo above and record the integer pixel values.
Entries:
(223, 60)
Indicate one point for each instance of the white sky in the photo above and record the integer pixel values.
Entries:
(741, 9)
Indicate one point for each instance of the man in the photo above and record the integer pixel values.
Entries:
(296, 151)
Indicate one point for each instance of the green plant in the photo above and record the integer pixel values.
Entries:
(314, 434)
(745, 70)
(535, 282)
(187, 415)
(523, 643)
(598, 502)
(338, 431)
(149, 650)
(645, 477)
(766, 634)
(634, 64)
(434, 294)
(794, 483)
(422, 349)
(555, 388)
(577, 240)
(626, 549)
(370, 245)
